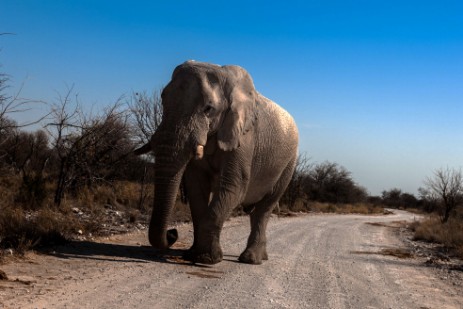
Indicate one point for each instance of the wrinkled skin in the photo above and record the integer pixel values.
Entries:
(233, 147)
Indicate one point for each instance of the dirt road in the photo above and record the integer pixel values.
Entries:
(315, 261)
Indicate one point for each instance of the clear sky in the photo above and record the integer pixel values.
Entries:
(376, 86)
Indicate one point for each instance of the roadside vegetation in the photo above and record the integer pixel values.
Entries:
(325, 187)
(75, 176)
(449, 235)
(443, 195)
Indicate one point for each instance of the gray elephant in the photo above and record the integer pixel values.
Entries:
(233, 147)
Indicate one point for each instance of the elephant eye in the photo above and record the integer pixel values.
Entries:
(208, 109)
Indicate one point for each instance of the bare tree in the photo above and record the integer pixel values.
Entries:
(8, 105)
(64, 123)
(89, 148)
(146, 114)
(27, 154)
(12, 105)
(446, 186)
(295, 189)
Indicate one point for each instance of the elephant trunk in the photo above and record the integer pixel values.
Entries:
(167, 182)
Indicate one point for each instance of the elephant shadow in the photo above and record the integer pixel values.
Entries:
(117, 253)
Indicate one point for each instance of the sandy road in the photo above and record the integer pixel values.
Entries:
(316, 261)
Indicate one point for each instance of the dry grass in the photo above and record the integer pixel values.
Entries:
(392, 224)
(449, 234)
(24, 230)
(119, 195)
(415, 211)
(309, 206)
(396, 252)
(8, 188)
(93, 211)
(360, 208)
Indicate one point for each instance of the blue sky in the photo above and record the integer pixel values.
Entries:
(376, 86)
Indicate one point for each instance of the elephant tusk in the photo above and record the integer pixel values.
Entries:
(199, 152)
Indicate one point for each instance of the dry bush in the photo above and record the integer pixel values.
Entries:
(134, 202)
(359, 208)
(93, 199)
(416, 211)
(22, 228)
(9, 186)
(25, 192)
(356, 208)
(95, 210)
(445, 188)
(364, 209)
(132, 195)
(449, 234)
(299, 205)
(120, 195)
(23, 231)
(324, 207)
(101, 206)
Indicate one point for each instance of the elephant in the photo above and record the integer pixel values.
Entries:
(229, 146)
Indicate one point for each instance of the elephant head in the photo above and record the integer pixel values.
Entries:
(200, 102)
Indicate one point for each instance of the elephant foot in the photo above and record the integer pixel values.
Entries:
(192, 255)
(264, 255)
(256, 257)
(207, 258)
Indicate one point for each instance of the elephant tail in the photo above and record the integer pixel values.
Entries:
(143, 149)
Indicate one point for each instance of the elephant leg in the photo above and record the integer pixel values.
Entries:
(256, 249)
(228, 192)
(208, 249)
(198, 186)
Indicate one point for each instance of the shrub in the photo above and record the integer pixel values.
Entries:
(23, 231)
(32, 192)
(359, 208)
(9, 186)
(449, 234)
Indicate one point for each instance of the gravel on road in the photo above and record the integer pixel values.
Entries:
(315, 261)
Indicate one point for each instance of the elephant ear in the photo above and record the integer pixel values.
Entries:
(242, 111)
